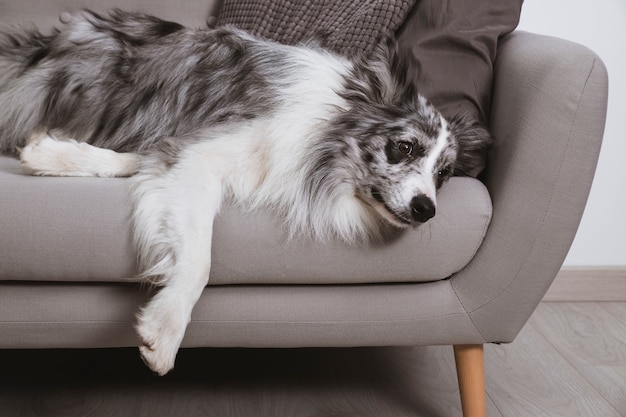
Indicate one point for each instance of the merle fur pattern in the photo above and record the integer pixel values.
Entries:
(140, 80)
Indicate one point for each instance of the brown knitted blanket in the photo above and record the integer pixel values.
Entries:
(347, 27)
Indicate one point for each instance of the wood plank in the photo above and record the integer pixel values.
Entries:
(593, 339)
(389, 382)
(617, 310)
(426, 376)
(568, 361)
(529, 377)
(585, 333)
(588, 284)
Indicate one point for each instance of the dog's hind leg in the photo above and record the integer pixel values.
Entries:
(47, 156)
(173, 226)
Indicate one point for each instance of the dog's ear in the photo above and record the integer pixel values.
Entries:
(382, 75)
(473, 142)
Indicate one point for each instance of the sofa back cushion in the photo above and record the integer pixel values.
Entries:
(45, 13)
(348, 27)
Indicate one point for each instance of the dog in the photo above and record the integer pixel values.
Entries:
(338, 147)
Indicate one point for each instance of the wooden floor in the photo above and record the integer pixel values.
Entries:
(570, 360)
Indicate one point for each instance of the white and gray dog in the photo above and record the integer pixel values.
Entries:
(338, 147)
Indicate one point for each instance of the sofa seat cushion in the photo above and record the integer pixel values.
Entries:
(78, 229)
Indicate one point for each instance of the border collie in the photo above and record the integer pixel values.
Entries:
(338, 147)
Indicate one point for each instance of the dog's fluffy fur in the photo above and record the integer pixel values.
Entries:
(340, 148)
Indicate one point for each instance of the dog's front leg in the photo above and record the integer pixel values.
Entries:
(173, 219)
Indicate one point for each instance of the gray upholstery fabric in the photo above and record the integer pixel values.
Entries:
(63, 228)
(78, 229)
(549, 109)
(101, 315)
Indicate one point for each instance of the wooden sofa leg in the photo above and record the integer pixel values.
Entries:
(470, 369)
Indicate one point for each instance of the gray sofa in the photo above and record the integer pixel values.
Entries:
(473, 275)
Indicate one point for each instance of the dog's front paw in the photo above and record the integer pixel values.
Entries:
(46, 156)
(34, 158)
(160, 333)
(159, 358)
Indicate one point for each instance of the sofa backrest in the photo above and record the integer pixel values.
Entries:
(45, 13)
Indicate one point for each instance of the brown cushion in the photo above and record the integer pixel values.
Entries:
(348, 27)
(451, 47)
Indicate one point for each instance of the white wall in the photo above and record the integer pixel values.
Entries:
(601, 26)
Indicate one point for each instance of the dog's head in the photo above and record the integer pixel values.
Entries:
(399, 146)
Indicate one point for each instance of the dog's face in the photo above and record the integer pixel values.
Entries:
(404, 156)
(402, 148)
(405, 171)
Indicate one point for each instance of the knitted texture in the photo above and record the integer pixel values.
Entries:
(347, 27)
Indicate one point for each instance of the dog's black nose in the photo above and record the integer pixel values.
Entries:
(422, 208)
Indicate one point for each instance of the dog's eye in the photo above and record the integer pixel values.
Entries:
(405, 148)
(442, 176)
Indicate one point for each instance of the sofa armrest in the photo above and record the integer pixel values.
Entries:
(548, 116)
